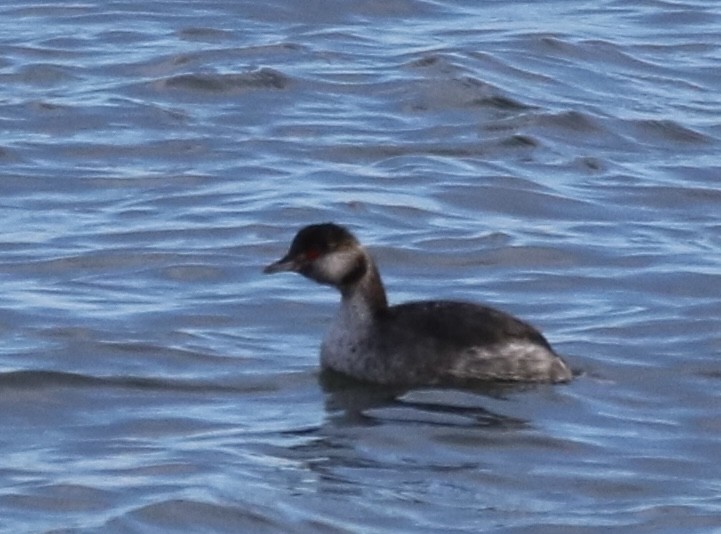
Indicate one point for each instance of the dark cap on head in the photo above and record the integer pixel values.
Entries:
(310, 243)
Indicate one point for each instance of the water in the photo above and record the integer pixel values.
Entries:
(559, 160)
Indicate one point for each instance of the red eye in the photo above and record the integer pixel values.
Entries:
(312, 254)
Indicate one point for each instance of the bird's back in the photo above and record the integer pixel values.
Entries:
(441, 341)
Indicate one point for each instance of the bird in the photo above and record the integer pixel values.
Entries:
(423, 343)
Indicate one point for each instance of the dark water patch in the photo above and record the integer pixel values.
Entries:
(502, 103)
(705, 175)
(343, 152)
(205, 34)
(573, 121)
(359, 403)
(41, 106)
(43, 75)
(445, 74)
(501, 196)
(58, 61)
(449, 92)
(586, 131)
(77, 266)
(424, 413)
(697, 202)
(679, 14)
(668, 131)
(45, 10)
(177, 148)
(189, 66)
(191, 273)
(220, 517)
(40, 379)
(264, 78)
(8, 155)
(123, 36)
(463, 246)
(60, 499)
(427, 61)
(519, 141)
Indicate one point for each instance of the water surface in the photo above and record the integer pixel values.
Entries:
(559, 160)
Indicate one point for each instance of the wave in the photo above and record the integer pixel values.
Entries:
(34, 379)
(264, 78)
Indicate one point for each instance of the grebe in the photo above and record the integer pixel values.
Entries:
(417, 343)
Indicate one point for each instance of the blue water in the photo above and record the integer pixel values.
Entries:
(559, 160)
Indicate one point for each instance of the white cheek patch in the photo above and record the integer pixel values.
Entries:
(336, 265)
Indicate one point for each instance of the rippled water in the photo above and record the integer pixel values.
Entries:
(557, 159)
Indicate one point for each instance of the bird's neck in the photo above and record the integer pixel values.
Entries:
(366, 295)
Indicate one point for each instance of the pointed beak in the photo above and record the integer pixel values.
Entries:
(284, 264)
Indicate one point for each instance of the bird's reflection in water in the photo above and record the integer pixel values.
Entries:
(350, 402)
(369, 431)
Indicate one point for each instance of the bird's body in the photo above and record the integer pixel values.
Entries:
(417, 343)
